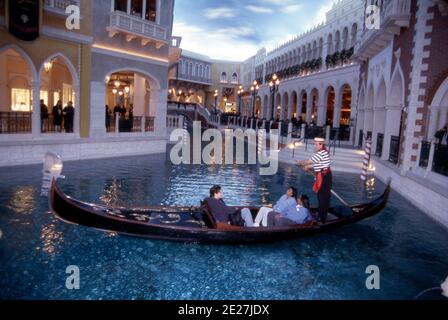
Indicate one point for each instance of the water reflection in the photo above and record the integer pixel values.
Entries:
(51, 239)
(23, 200)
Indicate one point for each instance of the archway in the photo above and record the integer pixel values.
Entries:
(60, 96)
(16, 91)
(277, 106)
(379, 118)
(303, 105)
(439, 109)
(132, 97)
(258, 107)
(285, 107)
(293, 110)
(331, 99)
(314, 105)
(265, 106)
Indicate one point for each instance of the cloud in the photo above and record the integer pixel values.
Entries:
(217, 13)
(291, 8)
(224, 44)
(257, 9)
(276, 2)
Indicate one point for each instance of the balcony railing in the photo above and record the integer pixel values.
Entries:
(394, 15)
(394, 149)
(194, 78)
(15, 122)
(136, 27)
(434, 157)
(59, 6)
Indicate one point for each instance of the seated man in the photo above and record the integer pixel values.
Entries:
(221, 212)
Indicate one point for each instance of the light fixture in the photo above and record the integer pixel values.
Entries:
(180, 92)
(127, 89)
(107, 79)
(48, 65)
(114, 91)
(120, 93)
(117, 84)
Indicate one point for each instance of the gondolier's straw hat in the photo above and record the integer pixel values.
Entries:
(320, 140)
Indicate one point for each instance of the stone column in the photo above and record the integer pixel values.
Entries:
(97, 115)
(393, 116)
(77, 103)
(35, 120)
(321, 115)
(157, 109)
(139, 95)
(309, 107)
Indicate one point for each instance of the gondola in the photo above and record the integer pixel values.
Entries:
(193, 224)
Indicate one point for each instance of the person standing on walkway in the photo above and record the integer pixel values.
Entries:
(320, 163)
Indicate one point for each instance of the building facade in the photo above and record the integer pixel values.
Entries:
(118, 56)
(403, 99)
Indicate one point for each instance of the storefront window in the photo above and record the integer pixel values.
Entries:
(44, 96)
(21, 100)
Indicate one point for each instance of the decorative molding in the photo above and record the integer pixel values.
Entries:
(61, 34)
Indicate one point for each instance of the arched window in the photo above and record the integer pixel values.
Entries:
(190, 69)
(223, 77)
(234, 77)
(345, 39)
(354, 32)
(201, 71)
(180, 66)
(196, 70)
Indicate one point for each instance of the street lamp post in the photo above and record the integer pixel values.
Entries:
(255, 87)
(240, 95)
(216, 101)
(273, 87)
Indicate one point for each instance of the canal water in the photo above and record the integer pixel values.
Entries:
(410, 250)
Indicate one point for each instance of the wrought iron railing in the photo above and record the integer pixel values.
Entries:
(440, 163)
(15, 122)
(424, 154)
(379, 145)
(394, 149)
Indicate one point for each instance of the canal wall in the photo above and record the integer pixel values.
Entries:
(428, 196)
(16, 153)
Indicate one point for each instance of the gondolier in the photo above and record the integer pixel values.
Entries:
(320, 163)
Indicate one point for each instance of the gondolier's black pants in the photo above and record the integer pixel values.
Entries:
(324, 196)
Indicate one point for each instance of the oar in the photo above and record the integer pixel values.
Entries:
(332, 192)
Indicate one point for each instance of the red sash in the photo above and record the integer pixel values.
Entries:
(319, 178)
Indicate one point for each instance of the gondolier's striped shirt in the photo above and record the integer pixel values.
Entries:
(321, 160)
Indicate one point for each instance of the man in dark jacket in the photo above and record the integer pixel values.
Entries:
(69, 114)
(43, 114)
(221, 212)
(442, 135)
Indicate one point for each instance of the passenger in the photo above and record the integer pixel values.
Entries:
(223, 213)
(300, 215)
(286, 204)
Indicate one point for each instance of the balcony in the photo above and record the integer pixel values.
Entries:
(58, 6)
(134, 27)
(394, 15)
(187, 77)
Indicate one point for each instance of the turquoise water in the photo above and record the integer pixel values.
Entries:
(35, 248)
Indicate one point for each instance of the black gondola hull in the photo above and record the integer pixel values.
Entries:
(124, 221)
